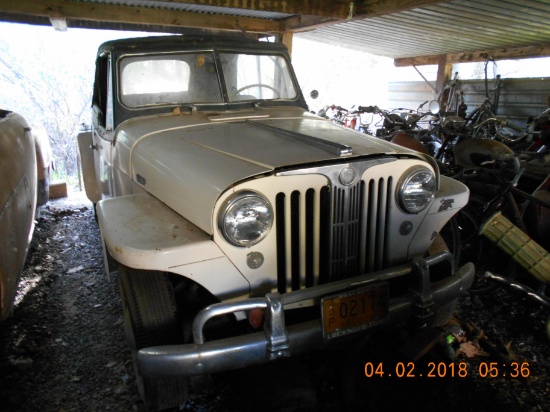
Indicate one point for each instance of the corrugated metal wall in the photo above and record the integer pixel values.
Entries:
(408, 95)
(519, 98)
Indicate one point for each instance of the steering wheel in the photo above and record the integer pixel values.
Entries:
(249, 86)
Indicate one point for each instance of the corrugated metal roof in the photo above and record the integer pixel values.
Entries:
(448, 27)
(195, 8)
(451, 27)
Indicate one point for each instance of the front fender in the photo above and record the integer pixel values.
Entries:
(449, 199)
(141, 232)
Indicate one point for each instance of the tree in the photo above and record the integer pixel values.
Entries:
(47, 77)
(48, 90)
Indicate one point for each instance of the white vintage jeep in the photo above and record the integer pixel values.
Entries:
(245, 229)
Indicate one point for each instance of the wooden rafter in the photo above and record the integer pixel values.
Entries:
(307, 14)
(478, 56)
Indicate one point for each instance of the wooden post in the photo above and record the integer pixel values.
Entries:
(444, 73)
(287, 41)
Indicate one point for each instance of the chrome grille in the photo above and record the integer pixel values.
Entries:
(332, 233)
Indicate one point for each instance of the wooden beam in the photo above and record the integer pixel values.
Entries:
(137, 15)
(308, 14)
(338, 9)
(376, 8)
(304, 23)
(478, 56)
(356, 10)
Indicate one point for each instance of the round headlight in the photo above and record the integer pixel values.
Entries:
(417, 190)
(245, 219)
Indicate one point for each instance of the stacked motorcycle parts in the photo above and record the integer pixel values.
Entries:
(472, 153)
(403, 139)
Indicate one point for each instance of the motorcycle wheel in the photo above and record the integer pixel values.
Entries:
(463, 239)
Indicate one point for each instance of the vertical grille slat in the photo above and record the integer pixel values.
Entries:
(309, 238)
(389, 191)
(363, 228)
(380, 225)
(325, 243)
(281, 239)
(372, 201)
(295, 239)
(332, 233)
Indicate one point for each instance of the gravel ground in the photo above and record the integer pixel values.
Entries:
(63, 349)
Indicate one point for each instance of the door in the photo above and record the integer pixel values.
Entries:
(102, 125)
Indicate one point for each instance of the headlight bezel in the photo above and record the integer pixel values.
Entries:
(236, 202)
(408, 181)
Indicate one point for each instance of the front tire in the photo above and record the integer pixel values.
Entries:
(151, 318)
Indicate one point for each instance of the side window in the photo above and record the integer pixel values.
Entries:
(101, 85)
(109, 120)
(153, 80)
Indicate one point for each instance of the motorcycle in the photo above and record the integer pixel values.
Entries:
(402, 126)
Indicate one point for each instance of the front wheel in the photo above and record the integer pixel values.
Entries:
(151, 318)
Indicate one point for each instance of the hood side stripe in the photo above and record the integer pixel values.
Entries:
(331, 147)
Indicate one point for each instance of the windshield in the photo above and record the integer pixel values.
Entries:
(256, 77)
(169, 79)
(192, 78)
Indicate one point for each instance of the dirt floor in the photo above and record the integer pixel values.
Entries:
(63, 349)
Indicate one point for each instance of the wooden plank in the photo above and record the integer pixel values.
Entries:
(136, 15)
(478, 56)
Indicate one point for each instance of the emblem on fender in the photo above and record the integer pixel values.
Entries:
(446, 204)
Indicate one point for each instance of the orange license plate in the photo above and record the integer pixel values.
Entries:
(354, 311)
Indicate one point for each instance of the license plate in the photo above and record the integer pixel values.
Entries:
(354, 311)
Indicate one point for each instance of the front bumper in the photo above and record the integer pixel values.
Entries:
(278, 341)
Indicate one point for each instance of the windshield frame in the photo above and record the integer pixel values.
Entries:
(176, 44)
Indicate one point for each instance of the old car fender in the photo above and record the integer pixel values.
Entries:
(44, 164)
(85, 144)
(141, 232)
(17, 203)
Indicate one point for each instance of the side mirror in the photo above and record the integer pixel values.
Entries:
(433, 107)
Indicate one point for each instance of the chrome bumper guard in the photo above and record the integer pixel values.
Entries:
(277, 340)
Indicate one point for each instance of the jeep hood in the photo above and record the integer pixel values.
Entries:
(187, 161)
